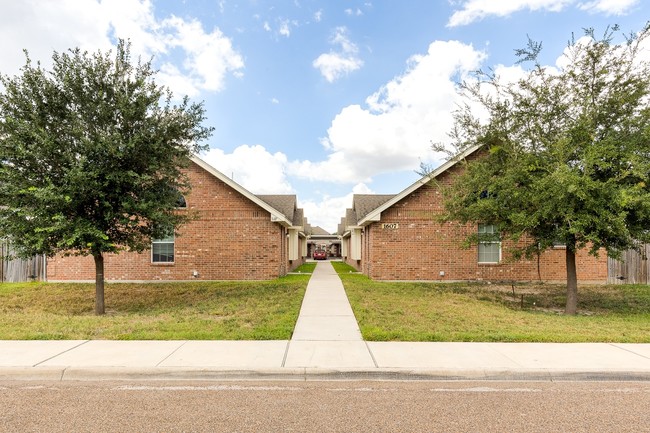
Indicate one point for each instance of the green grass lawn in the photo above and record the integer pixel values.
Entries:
(343, 268)
(248, 310)
(386, 311)
(390, 311)
(305, 268)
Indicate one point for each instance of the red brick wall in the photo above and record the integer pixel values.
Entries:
(420, 248)
(233, 239)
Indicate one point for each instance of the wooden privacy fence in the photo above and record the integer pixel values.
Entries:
(19, 270)
(631, 268)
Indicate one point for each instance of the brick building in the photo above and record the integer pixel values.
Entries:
(396, 237)
(237, 236)
(321, 239)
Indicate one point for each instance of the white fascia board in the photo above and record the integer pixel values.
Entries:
(375, 215)
(276, 215)
(299, 230)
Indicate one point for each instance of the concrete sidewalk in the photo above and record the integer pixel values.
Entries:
(327, 334)
(326, 344)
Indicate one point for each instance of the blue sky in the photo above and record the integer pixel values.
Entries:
(321, 99)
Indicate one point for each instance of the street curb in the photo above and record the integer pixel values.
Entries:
(63, 374)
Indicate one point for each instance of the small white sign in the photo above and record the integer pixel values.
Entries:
(390, 226)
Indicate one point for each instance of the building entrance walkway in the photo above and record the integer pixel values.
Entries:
(327, 333)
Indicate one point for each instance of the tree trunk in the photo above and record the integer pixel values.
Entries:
(99, 283)
(571, 278)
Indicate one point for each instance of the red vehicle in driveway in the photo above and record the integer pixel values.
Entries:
(320, 255)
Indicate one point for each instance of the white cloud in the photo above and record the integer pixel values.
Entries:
(36, 26)
(262, 172)
(318, 16)
(284, 28)
(352, 12)
(169, 75)
(336, 64)
(253, 167)
(476, 10)
(395, 130)
(609, 7)
(327, 212)
(134, 20)
(206, 57)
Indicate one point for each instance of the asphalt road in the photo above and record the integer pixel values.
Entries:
(328, 406)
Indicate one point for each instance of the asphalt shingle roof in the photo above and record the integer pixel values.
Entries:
(285, 203)
(319, 231)
(363, 204)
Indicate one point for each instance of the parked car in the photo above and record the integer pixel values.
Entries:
(320, 255)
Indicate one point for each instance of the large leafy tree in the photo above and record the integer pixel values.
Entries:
(91, 157)
(566, 151)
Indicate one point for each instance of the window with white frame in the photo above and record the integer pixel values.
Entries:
(162, 250)
(489, 244)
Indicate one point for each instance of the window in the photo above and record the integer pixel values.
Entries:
(162, 250)
(489, 245)
(180, 201)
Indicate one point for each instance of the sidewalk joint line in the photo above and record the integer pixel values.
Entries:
(173, 351)
(61, 353)
(628, 350)
(372, 355)
(286, 353)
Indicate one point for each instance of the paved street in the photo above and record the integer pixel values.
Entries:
(327, 406)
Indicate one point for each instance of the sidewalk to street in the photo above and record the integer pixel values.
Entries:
(326, 344)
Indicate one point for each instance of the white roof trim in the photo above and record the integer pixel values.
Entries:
(276, 215)
(375, 215)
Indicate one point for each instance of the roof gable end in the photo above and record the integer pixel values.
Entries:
(276, 215)
(375, 214)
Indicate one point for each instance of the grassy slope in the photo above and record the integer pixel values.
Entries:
(153, 311)
(269, 309)
(478, 312)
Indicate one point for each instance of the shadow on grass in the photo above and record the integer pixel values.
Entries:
(252, 310)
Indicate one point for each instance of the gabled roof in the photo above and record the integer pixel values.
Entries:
(375, 214)
(341, 227)
(299, 219)
(276, 214)
(284, 203)
(363, 204)
(287, 204)
(319, 231)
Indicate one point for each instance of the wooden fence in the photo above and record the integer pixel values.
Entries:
(631, 268)
(18, 270)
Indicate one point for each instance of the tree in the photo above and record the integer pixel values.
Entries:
(91, 157)
(565, 152)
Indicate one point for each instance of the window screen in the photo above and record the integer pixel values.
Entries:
(162, 250)
(489, 246)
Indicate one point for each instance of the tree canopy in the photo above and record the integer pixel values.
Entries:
(566, 150)
(91, 156)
